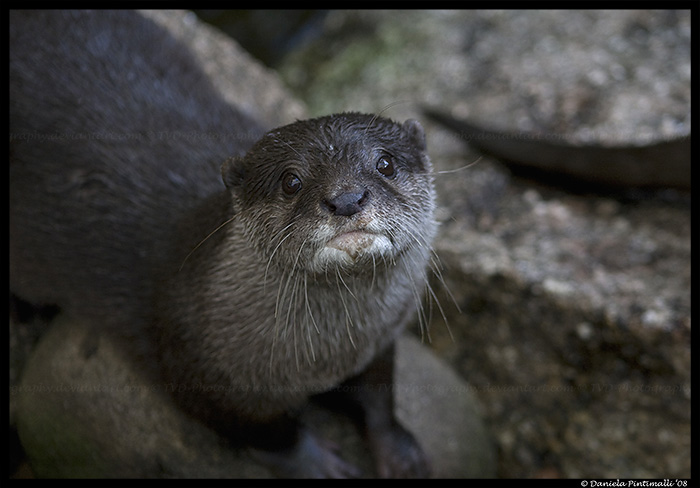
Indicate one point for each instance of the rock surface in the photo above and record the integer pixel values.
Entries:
(242, 80)
(575, 331)
(96, 415)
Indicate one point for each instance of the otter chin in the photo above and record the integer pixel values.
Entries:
(349, 247)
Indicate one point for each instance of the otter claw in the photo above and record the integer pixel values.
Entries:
(311, 457)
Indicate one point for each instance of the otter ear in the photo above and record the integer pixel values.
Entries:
(233, 173)
(416, 134)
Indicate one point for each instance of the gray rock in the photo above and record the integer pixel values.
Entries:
(575, 329)
(97, 415)
(584, 75)
(243, 81)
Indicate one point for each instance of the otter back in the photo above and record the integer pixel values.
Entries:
(115, 131)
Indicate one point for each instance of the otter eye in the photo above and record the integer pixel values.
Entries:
(290, 183)
(386, 166)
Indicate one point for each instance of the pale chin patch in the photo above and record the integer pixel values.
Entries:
(348, 248)
(356, 242)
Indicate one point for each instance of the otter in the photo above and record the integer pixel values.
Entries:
(250, 270)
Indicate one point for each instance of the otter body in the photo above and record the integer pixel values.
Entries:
(115, 133)
(255, 284)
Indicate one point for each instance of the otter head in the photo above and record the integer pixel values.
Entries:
(346, 191)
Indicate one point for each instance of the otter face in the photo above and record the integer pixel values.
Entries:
(346, 191)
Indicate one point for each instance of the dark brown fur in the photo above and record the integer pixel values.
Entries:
(118, 214)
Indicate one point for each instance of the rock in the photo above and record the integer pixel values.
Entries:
(602, 75)
(575, 331)
(243, 81)
(97, 415)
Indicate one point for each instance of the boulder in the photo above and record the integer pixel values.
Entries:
(89, 412)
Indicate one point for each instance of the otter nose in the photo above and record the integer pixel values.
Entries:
(348, 203)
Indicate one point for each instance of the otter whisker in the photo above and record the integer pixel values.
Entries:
(378, 114)
(417, 296)
(348, 316)
(293, 324)
(346, 286)
(435, 267)
(269, 261)
(313, 321)
(204, 240)
(457, 170)
(281, 295)
(420, 243)
(290, 147)
(439, 306)
(293, 302)
(276, 326)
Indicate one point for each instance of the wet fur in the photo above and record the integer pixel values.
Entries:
(310, 330)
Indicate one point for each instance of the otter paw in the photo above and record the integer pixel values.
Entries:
(311, 457)
(398, 455)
